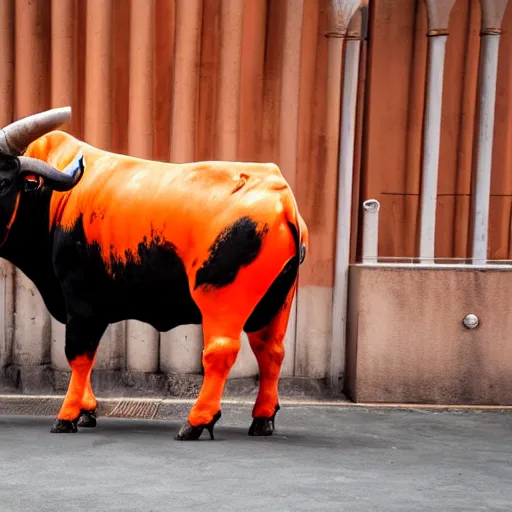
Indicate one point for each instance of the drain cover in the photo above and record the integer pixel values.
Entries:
(135, 409)
(30, 406)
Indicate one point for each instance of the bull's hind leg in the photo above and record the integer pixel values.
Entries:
(268, 347)
(221, 347)
(82, 339)
(244, 261)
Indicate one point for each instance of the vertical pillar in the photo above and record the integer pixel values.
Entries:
(346, 71)
(492, 17)
(438, 17)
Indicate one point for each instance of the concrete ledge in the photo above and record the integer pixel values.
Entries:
(45, 380)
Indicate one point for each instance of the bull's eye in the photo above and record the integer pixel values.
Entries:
(32, 183)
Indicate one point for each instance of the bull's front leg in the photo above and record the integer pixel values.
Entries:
(82, 338)
(89, 403)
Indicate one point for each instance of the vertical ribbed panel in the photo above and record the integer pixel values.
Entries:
(227, 125)
(251, 80)
(6, 110)
(186, 79)
(97, 131)
(6, 61)
(288, 132)
(228, 105)
(319, 103)
(6, 312)
(181, 348)
(32, 88)
(142, 341)
(63, 14)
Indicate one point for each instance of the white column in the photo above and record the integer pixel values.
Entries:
(492, 16)
(438, 17)
(343, 12)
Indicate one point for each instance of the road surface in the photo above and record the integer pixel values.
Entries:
(321, 458)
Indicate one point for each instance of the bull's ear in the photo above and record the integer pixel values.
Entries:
(77, 165)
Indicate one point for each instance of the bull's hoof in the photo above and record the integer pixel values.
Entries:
(87, 419)
(190, 433)
(64, 426)
(264, 426)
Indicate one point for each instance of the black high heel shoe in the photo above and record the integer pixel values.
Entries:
(190, 433)
(264, 426)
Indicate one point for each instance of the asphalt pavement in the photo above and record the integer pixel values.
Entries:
(321, 458)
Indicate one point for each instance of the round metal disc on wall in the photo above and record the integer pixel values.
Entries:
(471, 321)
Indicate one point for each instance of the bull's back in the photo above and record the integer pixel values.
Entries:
(155, 231)
(124, 203)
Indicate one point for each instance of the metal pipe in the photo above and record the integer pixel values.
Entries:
(438, 16)
(345, 174)
(492, 16)
(371, 209)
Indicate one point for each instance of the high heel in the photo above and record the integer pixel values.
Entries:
(273, 419)
(210, 425)
(190, 432)
(264, 426)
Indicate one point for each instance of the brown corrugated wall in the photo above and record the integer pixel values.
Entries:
(249, 79)
(394, 105)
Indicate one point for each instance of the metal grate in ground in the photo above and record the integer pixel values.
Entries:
(139, 409)
(30, 406)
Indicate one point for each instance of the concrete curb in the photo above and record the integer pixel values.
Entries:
(177, 408)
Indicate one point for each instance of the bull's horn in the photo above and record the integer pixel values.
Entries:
(61, 181)
(15, 137)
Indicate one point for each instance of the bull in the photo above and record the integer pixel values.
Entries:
(107, 237)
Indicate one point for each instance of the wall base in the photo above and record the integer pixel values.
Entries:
(45, 380)
(406, 342)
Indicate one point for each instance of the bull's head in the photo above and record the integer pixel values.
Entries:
(15, 169)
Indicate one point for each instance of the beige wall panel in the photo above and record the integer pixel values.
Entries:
(407, 342)
(6, 312)
(314, 304)
(181, 349)
(32, 336)
(58, 345)
(246, 364)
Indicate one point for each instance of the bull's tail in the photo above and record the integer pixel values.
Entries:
(297, 225)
